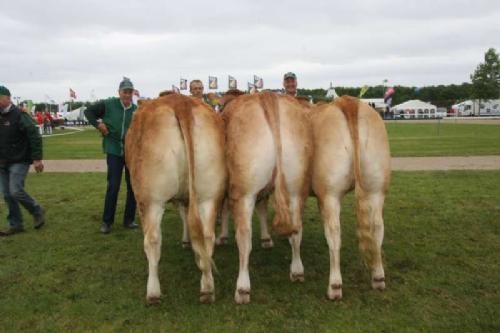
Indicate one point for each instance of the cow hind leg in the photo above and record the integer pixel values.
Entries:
(224, 221)
(296, 267)
(151, 219)
(208, 214)
(330, 214)
(266, 241)
(242, 214)
(371, 234)
(186, 243)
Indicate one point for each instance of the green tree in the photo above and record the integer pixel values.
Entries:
(486, 77)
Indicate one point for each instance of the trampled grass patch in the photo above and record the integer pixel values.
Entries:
(441, 252)
(406, 139)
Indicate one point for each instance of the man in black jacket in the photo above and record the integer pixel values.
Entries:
(20, 146)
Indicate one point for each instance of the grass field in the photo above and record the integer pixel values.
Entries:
(442, 246)
(436, 139)
(405, 140)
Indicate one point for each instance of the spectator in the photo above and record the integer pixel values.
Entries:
(290, 84)
(20, 146)
(47, 123)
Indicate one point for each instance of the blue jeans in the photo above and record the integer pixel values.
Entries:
(12, 178)
(116, 164)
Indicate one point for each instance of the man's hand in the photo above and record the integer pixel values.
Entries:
(38, 165)
(101, 127)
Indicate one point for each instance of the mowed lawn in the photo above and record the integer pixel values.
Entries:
(406, 139)
(442, 245)
(437, 139)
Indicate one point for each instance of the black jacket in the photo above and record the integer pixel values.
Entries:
(20, 141)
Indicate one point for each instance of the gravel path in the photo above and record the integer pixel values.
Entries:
(398, 164)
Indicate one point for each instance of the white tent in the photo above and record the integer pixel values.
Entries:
(75, 115)
(414, 109)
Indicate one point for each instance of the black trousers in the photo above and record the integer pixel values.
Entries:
(116, 164)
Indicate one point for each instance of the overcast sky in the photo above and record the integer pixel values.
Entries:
(49, 46)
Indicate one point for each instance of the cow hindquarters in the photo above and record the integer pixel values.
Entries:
(151, 215)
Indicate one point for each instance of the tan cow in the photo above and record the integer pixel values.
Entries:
(269, 146)
(261, 206)
(175, 152)
(351, 151)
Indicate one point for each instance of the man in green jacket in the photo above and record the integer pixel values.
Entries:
(112, 118)
(20, 146)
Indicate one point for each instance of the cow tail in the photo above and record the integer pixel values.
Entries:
(350, 109)
(184, 115)
(282, 222)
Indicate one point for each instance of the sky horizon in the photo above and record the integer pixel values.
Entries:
(89, 46)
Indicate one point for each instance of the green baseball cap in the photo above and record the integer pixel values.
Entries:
(126, 84)
(4, 91)
(290, 75)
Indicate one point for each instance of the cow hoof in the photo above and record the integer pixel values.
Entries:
(221, 241)
(186, 245)
(242, 296)
(266, 243)
(153, 300)
(378, 283)
(207, 297)
(294, 277)
(334, 292)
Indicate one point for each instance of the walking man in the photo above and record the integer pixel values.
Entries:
(112, 118)
(20, 146)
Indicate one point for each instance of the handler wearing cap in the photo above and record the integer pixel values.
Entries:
(112, 118)
(290, 84)
(20, 146)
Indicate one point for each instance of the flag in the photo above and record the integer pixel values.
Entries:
(252, 88)
(363, 90)
(175, 89)
(258, 82)
(233, 84)
(72, 93)
(212, 82)
(389, 93)
(136, 93)
(183, 84)
(63, 110)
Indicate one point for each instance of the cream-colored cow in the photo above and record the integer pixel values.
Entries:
(175, 152)
(268, 149)
(351, 151)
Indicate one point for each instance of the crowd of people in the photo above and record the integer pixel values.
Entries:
(21, 146)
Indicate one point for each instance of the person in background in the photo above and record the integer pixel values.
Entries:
(47, 123)
(112, 119)
(290, 84)
(196, 89)
(20, 146)
(39, 122)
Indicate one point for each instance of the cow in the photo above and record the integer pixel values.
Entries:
(268, 149)
(261, 206)
(174, 149)
(351, 151)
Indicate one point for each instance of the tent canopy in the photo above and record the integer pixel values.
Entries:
(414, 104)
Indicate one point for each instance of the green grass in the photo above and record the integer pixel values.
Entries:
(405, 140)
(441, 247)
(436, 139)
(77, 145)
